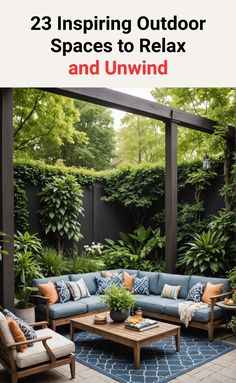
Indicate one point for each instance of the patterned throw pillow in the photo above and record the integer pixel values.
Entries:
(105, 283)
(141, 286)
(78, 289)
(195, 293)
(62, 291)
(170, 291)
(25, 328)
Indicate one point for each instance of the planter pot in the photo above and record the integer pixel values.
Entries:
(27, 314)
(118, 316)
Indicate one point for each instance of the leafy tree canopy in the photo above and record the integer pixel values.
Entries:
(43, 122)
(140, 140)
(214, 103)
(97, 123)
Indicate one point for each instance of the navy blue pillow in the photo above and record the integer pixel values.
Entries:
(62, 291)
(141, 286)
(196, 292)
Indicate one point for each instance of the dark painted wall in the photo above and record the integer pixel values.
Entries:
(103, 220)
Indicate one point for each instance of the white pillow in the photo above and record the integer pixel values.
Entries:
(78, 289)
(170, 291)
(6, 332)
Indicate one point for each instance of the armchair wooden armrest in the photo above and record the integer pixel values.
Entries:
(43, 339)
(30, 341)
(43, 324)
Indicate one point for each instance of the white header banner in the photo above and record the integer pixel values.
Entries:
(102, 43)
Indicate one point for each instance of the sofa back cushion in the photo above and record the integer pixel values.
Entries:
(153, 280)
(194, 279)
(39, 281)
(130, 271)
(174, 280)
(89, 280)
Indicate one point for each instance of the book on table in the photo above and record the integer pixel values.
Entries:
(144, 324)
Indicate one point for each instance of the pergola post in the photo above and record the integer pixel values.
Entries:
(170, 196)
(6, 197)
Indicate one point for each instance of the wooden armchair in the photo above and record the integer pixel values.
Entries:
(48, 351)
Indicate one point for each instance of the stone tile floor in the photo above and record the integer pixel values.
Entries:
(222, 369)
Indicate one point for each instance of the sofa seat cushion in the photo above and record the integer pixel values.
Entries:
(199, 315)
(153, 280)
(194, 279)
(204, 315)
(89, 280)
(93, 303)
(174, 280)
(36, 354)
(154, 302)
(61, 310)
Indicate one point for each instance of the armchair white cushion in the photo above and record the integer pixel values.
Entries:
(36, 354)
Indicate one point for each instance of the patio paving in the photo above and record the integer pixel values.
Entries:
(222, 369)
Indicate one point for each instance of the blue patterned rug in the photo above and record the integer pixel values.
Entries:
(159, 361)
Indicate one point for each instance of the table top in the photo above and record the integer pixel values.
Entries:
(226, 307)
(118, 329)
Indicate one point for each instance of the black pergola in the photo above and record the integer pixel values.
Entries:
(113, 99)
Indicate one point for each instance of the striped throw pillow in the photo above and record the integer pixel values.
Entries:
(78, 289)
(170, 291)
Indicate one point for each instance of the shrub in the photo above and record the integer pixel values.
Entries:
(53, 262)
(205, 255)
(26, 242)
(139, 250)
(60, 207)
(83, 264)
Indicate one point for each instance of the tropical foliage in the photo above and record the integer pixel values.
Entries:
(205, 255)
(138, 250)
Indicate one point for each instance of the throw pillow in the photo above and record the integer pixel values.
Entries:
(6, 333)
(17, 333)
(28, 331)
(78, 289)
(108, 274)
(103, 284)
(141, 286)
(62, 291)
(117, 280)
(129, 280)
(170, 291)
(49, 291)
(195, 293)
(210, 291)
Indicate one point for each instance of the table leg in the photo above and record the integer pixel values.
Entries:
(137, 357)
(72, 332)
(177, 340)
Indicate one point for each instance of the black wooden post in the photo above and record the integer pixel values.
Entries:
(6, 197)
(171, 196)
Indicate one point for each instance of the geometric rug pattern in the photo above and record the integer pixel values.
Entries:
(160, 362)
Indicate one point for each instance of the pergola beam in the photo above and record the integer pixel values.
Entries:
(6, 197)
(132, 104)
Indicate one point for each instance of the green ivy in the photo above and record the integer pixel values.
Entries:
(21, 210)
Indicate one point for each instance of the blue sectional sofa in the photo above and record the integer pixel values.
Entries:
(153, 305)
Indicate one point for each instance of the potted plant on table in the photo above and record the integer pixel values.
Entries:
(26, 269)
(119, 301)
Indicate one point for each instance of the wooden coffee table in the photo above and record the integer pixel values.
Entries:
(117, 333)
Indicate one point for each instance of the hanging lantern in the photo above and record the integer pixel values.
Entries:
(206, 165)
